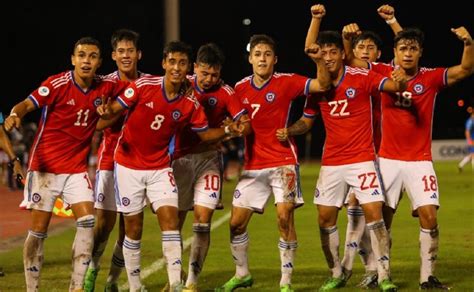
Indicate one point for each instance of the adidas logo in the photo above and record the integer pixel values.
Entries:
(177, 262)
(175, 190)
(246, 101)
(375, 193)
(288, 265)
(150, 104)
(71, 102)
(213, 195)
(383, 258)
(135, 272)
(32, 269)
(352, 244)
(433, 196)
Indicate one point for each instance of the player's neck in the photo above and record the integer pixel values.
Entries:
(172, 90)
(410, 73)
(83, 83)
(337, 76)
(128, 76)
(260, 80)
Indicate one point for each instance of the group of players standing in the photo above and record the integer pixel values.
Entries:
(141, 113)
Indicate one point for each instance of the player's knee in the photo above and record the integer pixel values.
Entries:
(237, 228)
(87, 221)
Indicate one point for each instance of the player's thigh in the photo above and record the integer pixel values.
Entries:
(184, 178)
(331, 188)
(253, 190)
(392, 180)
(364, 180)
(161, 189)
(130, 188)
(285, 184)
(421, 183)
(41, 190)
(208, 183)
(105, 198)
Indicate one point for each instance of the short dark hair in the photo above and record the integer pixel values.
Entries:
(368, 35)
(124, 34)
(262, 39)
(88, 41)
(211, 55)
(410, 33)
(330, 37)
(177, 47)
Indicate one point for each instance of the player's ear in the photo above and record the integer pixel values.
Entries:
(421, 52)
(275, 60)
(379, 53)
(139, 55)
(114, 56)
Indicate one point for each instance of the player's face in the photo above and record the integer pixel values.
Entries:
(407, 53)
(263, 59)
(176, 66)
(86, 60)
(366, 50)
(126, 56)
(333, 57)
(206, 76)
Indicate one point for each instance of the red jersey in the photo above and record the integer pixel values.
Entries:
(217, 103)
(269, 109)
(68, 121)
(407, 118)
(347, 115)
(152, 121)
(105, 154)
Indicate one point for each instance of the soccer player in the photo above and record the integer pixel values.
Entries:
(405, 151)
(349, 154)
(157, 108)
(197, 166)
(57, 165)
(469, 133)
(126, 53)
(270, 166)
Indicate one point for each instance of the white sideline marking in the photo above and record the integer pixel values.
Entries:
(160, 263)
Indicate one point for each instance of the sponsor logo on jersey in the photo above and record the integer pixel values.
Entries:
(125, 201)
(212, 101)
(97, 102)
(43, 91)
(129, 93)
(270, 97)
(418, 88)
(36, 197)
(176, 115)
(350, 92)
(237, 194)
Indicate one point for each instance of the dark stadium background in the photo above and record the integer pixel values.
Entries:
(40, 35)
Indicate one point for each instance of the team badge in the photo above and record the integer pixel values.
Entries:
(125, 201)
(176, 115)
(418, 88)
(97, 102)
(129, 93)
(212, 101)
(316, 193)
(270, 97)
(43, 91)
(100, 197)
(36, 197)
(237, 194)
(350, 92)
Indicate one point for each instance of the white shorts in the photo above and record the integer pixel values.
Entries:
(133, 187)
(351, 190)
(42, 189)
(105, 190)
(417, 177)
(255, 187)
(334, 182)
(199, 179)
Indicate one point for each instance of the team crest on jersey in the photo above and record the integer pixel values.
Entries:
(36, 197)
(125, 201)
(270, 97)
(43, 91)
(100, 197)
(129, 93)
(176, 115)
(316, 193)
(350, 92)
(212, 101)
(418, 88)
(237, 194)
(97, 102)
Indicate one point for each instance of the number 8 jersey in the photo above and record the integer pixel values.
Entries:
(68, 121)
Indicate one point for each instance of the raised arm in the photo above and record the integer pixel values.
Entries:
(466, 68)
(349, 32)
(17, 113)
(323, 81)
(317, 13)
(387, 13)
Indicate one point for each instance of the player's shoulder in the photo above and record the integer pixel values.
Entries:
(282, 75)
(60, 79)
(430, 70)
(243, 82)
(225, 89)
(357, 71)
(149, 80)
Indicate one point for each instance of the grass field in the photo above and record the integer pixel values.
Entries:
(455, 264)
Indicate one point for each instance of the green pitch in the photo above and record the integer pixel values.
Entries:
(455, 264)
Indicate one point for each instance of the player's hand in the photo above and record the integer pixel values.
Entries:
(387, 12)
(282, 134)
(18, 172)
(398, 75)
(104, 109)
(462, 34)
(314, 52)
(318, 11)
(12, 121)
(351, 31)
